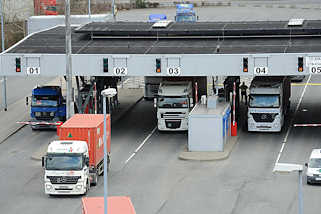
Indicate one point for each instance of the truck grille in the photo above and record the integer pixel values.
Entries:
(173, 114)
(63, 179)
(43, 115)
(173, 124)
(264, 117)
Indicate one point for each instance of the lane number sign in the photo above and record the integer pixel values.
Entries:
(120, 71)
(173, 71)
(315, 69)
(33, 70)
(261, 70)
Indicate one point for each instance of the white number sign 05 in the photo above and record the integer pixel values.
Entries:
(315, 69)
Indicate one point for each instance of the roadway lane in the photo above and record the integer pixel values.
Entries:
(160, 183)
(300, 142)
(22, 184)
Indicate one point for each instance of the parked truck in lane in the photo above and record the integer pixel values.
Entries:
(75, 161)
(269, 102)
(48, 106)
(116, 205)
(185, 13)
(175, 99)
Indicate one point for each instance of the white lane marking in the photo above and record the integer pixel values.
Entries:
(291, 122)
(140, 146)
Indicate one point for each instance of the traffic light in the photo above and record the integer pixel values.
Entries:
(18, 64)
(158, 65)
(300, 64)
(245, 64)
(105, 61)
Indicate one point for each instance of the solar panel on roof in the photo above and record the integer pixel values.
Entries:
(295, 22)
(162, 24)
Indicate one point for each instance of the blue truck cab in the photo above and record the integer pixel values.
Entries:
(47, 106)
(156, 17)
(185, 13)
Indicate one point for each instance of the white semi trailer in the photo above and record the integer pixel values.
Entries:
(269, 102)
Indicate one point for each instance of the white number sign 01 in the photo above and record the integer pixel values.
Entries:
(120, 71)
(260, 70)
(173, 71)
(33, 70)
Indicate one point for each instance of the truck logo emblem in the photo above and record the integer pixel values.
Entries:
(69, 134)
(264, 116)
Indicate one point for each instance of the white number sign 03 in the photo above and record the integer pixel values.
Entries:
(33, 70)
(120, 71)
(173, 71)
(261, 70)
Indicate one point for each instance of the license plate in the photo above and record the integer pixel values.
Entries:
(318, 179)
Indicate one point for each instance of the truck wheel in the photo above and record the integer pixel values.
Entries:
(87, 187)
(95, 179)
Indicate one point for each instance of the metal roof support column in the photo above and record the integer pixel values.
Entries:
(4, 78)
(68, 59)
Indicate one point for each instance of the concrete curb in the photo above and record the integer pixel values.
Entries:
(210, 156)
(37, 156)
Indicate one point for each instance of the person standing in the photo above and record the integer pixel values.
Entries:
(243, 88)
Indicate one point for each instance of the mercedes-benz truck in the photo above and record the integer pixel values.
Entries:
(269, 102)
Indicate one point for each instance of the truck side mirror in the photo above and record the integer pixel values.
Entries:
(175, 19)
(191, 101)
(155, 102)
(197, 18)
(27, 103)
(306, 164)
(87, 161)
(43, 162)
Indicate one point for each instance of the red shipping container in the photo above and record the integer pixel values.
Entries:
(116, 205)
(89, 128)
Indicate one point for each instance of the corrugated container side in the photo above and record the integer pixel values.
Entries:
(116, 205)
(92, 135)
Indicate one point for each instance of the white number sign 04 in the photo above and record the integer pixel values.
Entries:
(261, 70)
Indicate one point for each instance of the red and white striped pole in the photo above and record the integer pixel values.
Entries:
(234, 124)
(196, 93)
(95, 97)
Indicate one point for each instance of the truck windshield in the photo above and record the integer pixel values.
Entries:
(44, 101)
(64, 162)
(264, 101)
(315, 163)
(185, 18)
(172, 102)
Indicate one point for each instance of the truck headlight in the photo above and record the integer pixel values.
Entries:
(37, 114)
(48, 186)
(52, 114)
(78, 187)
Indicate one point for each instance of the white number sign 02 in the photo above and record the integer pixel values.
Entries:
(261, 70)
(120, 71)
(33, 70)
(173, 71)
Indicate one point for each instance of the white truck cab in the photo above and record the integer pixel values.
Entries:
(174, 102)
(66, 168)
(314, 167)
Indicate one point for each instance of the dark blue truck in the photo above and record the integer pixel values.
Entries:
(47, 107)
